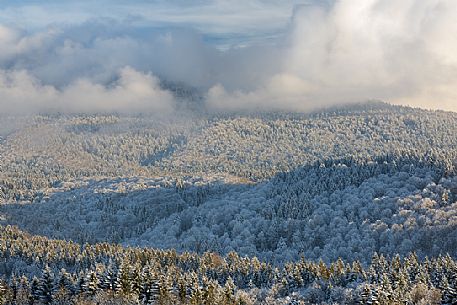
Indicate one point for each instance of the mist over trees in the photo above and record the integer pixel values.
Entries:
(228, 152)
(370, 188)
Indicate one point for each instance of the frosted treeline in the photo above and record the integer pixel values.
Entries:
(341, 183)
(36, 270)
(44, 151)
(322, 215)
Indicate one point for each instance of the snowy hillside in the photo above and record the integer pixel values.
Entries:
(339, 184)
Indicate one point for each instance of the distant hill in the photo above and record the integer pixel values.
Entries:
(343, 182)
(338, 186)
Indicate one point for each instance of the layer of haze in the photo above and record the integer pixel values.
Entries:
(309, 56)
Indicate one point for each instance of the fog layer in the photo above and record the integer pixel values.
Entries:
(348, 51)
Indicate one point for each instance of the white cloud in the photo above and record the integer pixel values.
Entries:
(133, 92)
(402, 52)
(19, 92)
(347, 51)
(281, 92)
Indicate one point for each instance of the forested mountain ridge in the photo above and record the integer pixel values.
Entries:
(46, 150)
(338, 184)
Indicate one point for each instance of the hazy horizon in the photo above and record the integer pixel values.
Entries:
(263, 54)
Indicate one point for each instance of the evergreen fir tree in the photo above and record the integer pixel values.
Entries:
(449, 294)
(91, 283)
(374, 297)
(46, 286)
(182, 290)
(386, 291)
(65, 282)
(364, 295)
(145, 291)
(229, 292)
(197, 295)
(24, 295)
(81, 283)
(108, 279)
(123, 282)
(135, 282)
(3, 292)
(35, 289)
(13, 286)
(209, 292)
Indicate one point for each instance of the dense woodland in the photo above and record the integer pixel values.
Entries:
(343, 206)
(44, 271)
(40, 152)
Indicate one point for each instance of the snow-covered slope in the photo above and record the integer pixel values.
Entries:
(340, 183)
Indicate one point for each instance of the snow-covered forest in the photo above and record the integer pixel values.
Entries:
(337, 206)
(43, 271)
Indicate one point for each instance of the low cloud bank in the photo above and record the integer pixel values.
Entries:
(131, 92)
(348, 51)
(356, 50)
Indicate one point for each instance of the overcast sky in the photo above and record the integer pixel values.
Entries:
(290, 54)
